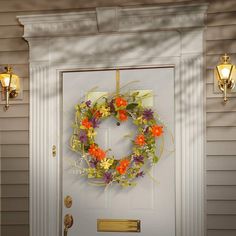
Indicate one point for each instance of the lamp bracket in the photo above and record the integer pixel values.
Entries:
(230, 85)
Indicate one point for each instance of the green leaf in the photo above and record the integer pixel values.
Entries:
(131, 106)
(155, 159)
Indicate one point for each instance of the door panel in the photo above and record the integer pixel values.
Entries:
(152, 201)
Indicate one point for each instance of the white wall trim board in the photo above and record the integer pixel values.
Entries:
(116, 38)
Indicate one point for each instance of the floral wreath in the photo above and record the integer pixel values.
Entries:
(98, 164)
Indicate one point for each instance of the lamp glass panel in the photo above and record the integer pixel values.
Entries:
(224, 71)
(5, 80)
(15, 83)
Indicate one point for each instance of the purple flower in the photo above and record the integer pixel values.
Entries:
(83, 137)
(140, 174)
(107, 177)
(148, 114)
(88, 103)
(93, 163)
(138, 159)
(111, 106)
(96, 122)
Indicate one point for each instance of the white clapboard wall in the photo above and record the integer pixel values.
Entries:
(221, 120)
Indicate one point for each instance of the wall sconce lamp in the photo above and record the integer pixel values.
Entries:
(10, 85)
(224, 73)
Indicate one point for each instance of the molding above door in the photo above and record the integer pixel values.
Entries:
(114, 19)
(116, 38)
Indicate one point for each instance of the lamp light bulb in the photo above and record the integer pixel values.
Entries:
(5, 82)
(225, 73)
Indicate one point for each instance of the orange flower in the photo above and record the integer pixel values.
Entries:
(122, 115)
(140, 140)
(100, 154)
(121, 102)
(125, 163)
(85, 122)
(156, 130)
(96, 152)
(92, 150)
(122, 168)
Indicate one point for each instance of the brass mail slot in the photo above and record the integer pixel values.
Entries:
(116, 225)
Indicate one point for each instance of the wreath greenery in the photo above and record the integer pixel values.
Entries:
(98, 164)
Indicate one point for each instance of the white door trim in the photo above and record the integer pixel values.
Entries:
(116, 37)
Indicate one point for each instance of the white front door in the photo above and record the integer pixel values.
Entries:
(152, 201)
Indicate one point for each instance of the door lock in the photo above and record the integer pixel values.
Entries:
(68, 222)
(68, 201)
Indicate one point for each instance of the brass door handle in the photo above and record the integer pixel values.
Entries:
(68, 222)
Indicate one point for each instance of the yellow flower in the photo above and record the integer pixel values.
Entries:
(105, 111)
(106, 163)
(82, 105)
(136, 152)
(140, 120)
(91, 133)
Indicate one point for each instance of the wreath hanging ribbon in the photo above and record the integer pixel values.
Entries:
(98, 164)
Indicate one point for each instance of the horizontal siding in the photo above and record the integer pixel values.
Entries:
(11, 32)
(15, 137)
(219, 148)
(221, 177)
(221, 222)
(14, 218)
(217, 105)
(221, 119)
(15, 150)
(14, 177)
(14, 163)
(14, 44)
(221, 207)
(10, 18)
(25, 84)
(221, 163)
(221, 192)
(14, 123)
(19, 110)
(22, 70)
(21, 57)
(220, 33)
(13, 5)
(216, 6)
(221, 133)
(221, 232)
(220, 46)
(10, 230)
(13, 191)
(14, 204)
(219, 19)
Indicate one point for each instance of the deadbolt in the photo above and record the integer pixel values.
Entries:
(68, 201)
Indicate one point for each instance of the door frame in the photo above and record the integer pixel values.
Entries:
(53, 50)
